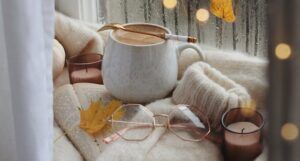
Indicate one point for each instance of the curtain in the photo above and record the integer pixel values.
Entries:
(284, 94)
(26, 117)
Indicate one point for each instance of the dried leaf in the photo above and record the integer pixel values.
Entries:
(223, 9)
(94, 118)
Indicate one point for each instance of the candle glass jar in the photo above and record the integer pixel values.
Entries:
(242, 134)
(85, 68)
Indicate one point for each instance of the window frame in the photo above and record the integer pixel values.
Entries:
(85, 10)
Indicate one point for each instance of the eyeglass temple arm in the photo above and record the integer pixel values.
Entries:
(215, 138)
(115, 136)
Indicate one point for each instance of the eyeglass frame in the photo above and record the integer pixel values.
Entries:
(116, 135)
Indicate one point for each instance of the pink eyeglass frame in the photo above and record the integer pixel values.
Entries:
(118, 134)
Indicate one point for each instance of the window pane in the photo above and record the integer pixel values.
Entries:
(246, 34)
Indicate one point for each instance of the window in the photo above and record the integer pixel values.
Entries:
(246, 34)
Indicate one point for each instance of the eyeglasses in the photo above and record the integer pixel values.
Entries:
(134, 122)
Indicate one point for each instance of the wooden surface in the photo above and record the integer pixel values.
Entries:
(246, 34)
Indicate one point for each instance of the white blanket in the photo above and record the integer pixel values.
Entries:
(161, 145)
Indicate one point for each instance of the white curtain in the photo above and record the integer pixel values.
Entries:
(26, 117)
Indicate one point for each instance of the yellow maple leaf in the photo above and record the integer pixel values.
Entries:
(223, 9)
(94, 118)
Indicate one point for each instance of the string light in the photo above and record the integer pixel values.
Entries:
(202, 15)
(289, 131)
(283, 51)
(170, 4)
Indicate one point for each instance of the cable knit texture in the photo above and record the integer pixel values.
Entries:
(248, 71)
(209, 91)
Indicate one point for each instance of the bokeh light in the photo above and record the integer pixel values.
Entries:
(170, 3)
(283, 51)
(202, 15)
(249, 108)
(289, 131)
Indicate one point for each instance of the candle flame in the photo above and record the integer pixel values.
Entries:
(249, 108)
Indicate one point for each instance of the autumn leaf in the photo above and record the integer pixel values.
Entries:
(223, 9)
(94, 118)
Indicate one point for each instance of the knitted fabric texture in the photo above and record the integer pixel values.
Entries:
(63, 149)
(160, 145)
(58, 59)
(248, 71)
(76, 37)
(209, 91)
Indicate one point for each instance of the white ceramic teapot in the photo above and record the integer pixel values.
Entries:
(142, 73)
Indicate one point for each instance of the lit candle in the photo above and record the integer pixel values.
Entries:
(85, 68)
(242, 127)
(242, 135)
(90, 75)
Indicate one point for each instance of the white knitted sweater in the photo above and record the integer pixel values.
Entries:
(248, 71)
(209, 91)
